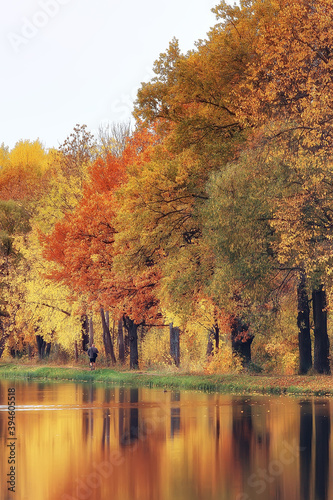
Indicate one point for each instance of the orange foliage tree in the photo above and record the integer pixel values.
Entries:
(288, 93)
(82, 245)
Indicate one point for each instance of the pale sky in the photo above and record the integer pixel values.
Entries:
(82, 61)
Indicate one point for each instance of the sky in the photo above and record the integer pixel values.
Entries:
(81, 61)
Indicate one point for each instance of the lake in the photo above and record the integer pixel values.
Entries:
(69, 441)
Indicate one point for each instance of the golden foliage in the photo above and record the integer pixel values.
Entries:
(223, 361)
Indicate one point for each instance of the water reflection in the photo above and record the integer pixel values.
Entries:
(130, 418)
(323, 430)
(109, 396)
(242, 431)
(175, 414)
(106, 429)
(140, 444)
(305, 447)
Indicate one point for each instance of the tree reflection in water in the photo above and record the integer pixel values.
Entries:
(323, 431)
(129, 417)
(123, 443)
(175, 414)
(88, 396)
(305, 446)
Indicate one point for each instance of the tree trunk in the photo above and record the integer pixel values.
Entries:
(241, 340)
(85, 332)
(209, 350)
(321, 342)
(126, 337)
(76, 352)
(174, 344)
(113, 330)
(132, 329)
(44, 348)
(91, 331)
(121, 346)
(40, 346)
(47, 349)
(133, 341)
(303, 323)
(107, 319)
(216, 335)
(213, 337)
(107, 339)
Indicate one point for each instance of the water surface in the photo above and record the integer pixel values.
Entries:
(85, 442)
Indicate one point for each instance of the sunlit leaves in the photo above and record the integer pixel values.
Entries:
(293, 82)
(82, 243)
(23, 171)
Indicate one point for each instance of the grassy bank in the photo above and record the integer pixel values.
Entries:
(234, 384)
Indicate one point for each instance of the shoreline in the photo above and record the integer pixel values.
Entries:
(247, 384)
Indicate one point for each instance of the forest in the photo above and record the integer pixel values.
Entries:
(198, 238)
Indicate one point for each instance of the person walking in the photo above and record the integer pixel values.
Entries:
(92, 353)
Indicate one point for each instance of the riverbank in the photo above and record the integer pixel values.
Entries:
(314, 385)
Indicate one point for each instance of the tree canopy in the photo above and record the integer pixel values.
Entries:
(216, 210)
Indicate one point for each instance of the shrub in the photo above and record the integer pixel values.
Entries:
(223, 361)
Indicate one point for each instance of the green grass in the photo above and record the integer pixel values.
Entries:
(232, 384)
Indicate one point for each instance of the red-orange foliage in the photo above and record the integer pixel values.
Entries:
(19, 183)
(82, 243)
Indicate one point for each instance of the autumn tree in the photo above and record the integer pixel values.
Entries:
(77, 152)
(24, 180)
(14, 223)
(112, 138)
(158, 228)
(194, 103)
(82, 244)
(288, 94)
(222, 196)
(290, 78)
(264, 68)
(46, 184)
(195, 96)
(23, 172)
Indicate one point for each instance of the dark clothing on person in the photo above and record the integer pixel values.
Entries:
(92, 353)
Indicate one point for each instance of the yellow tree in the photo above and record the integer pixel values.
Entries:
(47, 185)
(196, 96)
(53, 318)
(290, 78)
(23, 177)
(14, 224)
(24, 171)
(289, 94)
